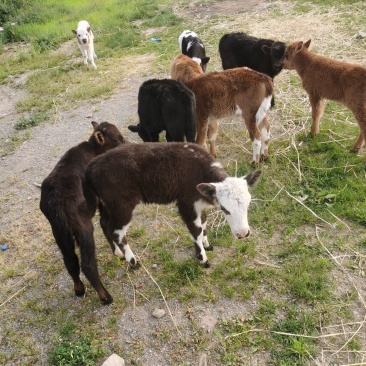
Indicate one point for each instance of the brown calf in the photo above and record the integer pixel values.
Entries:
(185, 69)
(220, 94)
(69, 206)
(324, 78)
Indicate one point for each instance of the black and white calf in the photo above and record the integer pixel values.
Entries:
(163, 173)
(165, 105)
(191, 46)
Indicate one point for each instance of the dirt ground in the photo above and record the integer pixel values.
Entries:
(22, 170)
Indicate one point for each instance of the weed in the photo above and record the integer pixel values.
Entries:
(79, 351)
(33, 120)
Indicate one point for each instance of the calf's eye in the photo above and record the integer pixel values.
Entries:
(224, 210)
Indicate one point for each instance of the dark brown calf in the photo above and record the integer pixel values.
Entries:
(69, 206)
(163, 173)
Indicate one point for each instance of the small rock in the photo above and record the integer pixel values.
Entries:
(154, 266)
(360, 35)
(158, 313)
(202, 360)
(114, 360)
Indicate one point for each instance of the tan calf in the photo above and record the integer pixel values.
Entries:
(220, 94)
(185, 69)
(325, 78)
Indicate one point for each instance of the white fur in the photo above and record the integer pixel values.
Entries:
(201, 240)
(217, 164)
(256, 146)
(127, 252)
(85, 38)
(197, 60)
(185, 34)
(263, 109)
(265, 136)
(233, 195)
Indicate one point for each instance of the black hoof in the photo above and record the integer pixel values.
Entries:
(108, 300)
(207, 264)
(134, 264)
(209, 248)
(80, 293)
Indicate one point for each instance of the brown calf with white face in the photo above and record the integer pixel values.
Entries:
(221, 94)
(163, 173)
(325, 78)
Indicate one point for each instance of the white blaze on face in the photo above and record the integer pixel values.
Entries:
(234, 199)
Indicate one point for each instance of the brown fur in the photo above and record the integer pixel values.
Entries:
(325, 78)
(69, 206)
(185, 69)
(219, 94)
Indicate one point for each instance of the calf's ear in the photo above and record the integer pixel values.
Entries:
(266, 50)
(251, 178)
(307, 43)
(205, 60)
(99, 137)
(74, 31)
(95, 125)
(207, 190)
(88, 29)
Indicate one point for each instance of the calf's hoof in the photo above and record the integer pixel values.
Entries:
(264, 157)
(80, 293)
(209, 248)
(79, 289)
(206, 264)
(107, 300)
(134, 264)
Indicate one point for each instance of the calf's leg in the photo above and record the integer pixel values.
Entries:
(65, 241)
(193, 219)
(213, 127)
(264, 128)
(317, 109)
(254, 134)
(88, 260)
(115, 224)
(84, 53)
(360, 114)
(202, 125)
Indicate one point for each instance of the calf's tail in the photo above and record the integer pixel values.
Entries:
(191, 119)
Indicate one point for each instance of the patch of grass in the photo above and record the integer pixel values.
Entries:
(77, 351)
(33, 120)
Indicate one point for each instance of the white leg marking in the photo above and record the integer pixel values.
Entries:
(199, 242)
(263, 109)
(128, 253)
(206, 244)
(265, 136)
(256, 145)
(118, 251)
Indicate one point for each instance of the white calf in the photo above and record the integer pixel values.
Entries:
(85, 39)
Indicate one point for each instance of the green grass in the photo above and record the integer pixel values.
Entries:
(308, 214)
